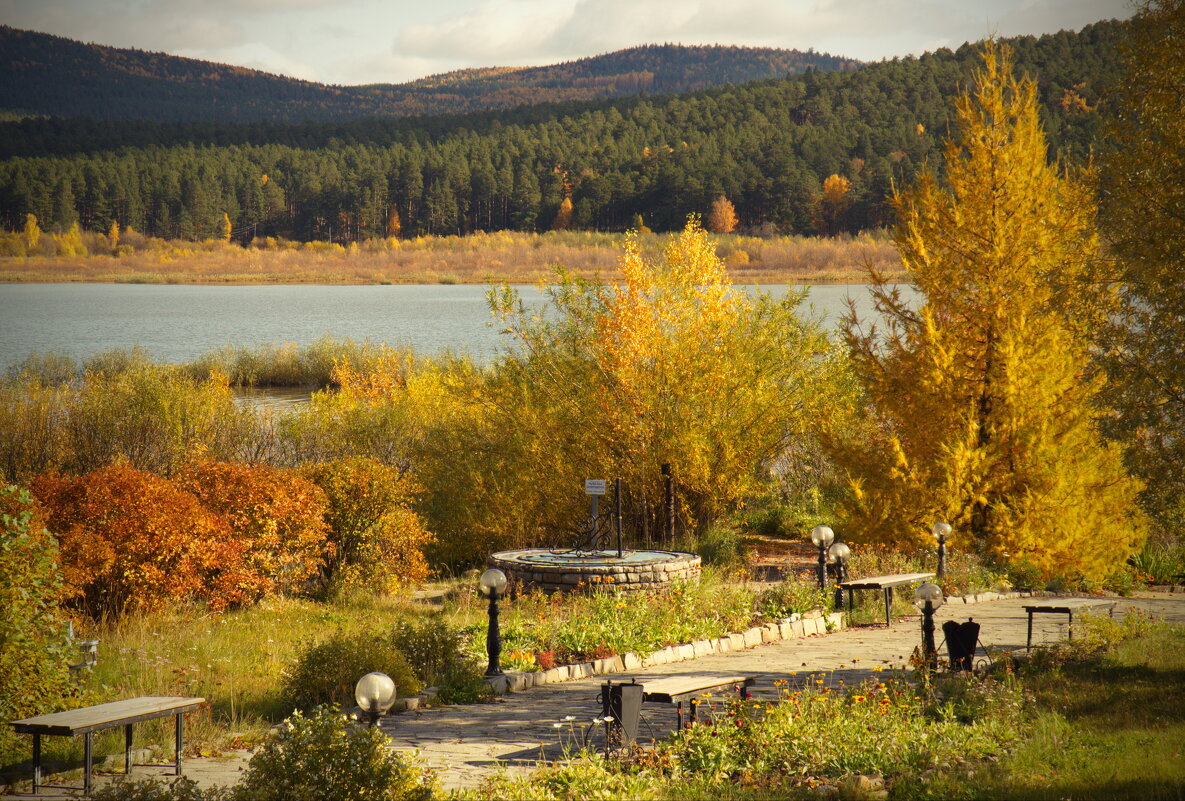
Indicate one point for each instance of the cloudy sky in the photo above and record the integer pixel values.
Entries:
(391, 41)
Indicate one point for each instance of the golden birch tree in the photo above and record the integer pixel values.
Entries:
(983, 396)
(722, 217)
(674, 365)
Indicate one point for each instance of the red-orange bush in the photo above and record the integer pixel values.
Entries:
(131, 540)
(276, 515)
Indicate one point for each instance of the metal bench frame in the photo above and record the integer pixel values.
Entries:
(89, 719)
(1065, 606)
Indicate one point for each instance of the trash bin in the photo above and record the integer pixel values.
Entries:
(623, 704)
(961, 640)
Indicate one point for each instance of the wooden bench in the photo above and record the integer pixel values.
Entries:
(677, 689)
(886, 583)
(1064, 606)
(621, 702)
(90, 719)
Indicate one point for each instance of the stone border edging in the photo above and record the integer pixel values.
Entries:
(796, 627)
(811, 624)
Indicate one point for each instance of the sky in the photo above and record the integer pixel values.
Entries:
(352, 42)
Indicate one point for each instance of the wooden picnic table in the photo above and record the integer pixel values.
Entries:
(1065, 606)
(885, 583)
(89, 719)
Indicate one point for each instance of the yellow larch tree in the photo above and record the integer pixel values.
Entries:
(983, 395)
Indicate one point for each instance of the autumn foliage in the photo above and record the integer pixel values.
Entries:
(377, 539)
(131, 540)
(278, 519)
(984, 400)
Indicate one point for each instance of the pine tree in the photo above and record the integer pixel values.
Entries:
(984, 395)
(1143, 218)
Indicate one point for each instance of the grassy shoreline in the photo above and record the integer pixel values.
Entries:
(515, 258)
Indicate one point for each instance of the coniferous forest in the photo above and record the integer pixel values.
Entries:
(811, 153)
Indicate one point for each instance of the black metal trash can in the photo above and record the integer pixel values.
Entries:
(961, 640)
(623, 704)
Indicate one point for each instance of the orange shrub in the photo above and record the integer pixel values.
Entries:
(131, 540)
(277, 516)
(379, 539)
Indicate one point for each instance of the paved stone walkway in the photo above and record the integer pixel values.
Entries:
(466, 743)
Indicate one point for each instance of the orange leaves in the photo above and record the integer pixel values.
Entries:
(130, 540)
(276, 516)
(223, 533)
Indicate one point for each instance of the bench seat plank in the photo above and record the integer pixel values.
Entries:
(676, 687)
(106, 716)
(880, 582)
(886, 585)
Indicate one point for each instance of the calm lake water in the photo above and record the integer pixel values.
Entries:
(177, 323)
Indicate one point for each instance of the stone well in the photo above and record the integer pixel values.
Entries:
(565, 571)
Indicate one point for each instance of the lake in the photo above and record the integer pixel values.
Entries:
(178, 323)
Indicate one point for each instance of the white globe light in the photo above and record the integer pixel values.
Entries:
(928, 592)
(822, 536)
(375, 692)
(840, 551)
(493, 580)
(941, 530)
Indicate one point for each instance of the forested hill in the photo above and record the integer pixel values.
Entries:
(767, 146)
(49, 75)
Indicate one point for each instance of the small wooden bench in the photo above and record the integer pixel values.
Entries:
(885, 583)
(674, 690)
(89, 719)
(1064, 606)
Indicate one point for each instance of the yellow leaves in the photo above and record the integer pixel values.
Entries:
(835, 189)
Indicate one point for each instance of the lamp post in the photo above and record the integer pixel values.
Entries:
(375, 694)
(941, 531)
(822, 536)
(928, 598)
(839, 553)
(493, 583)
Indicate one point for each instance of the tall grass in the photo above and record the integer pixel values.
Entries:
(477, 258)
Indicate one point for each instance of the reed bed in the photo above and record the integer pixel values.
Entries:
(519, 258)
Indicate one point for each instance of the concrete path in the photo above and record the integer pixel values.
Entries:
(516, 732)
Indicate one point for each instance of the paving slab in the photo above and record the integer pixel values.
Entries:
(518, 731)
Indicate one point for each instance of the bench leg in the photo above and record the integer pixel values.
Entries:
(180, 733)
(851, 602)
(89, 759)
(679, 714)
(1070, 626)
(1029, 639)
(888, 606)
(127, 749)
(36, 762)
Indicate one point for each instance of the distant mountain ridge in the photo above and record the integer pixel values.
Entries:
(41, 74)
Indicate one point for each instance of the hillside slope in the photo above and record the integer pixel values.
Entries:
(50, 75)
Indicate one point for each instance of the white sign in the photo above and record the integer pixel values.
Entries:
(594, 486)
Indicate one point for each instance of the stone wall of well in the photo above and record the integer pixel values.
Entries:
(649, 575)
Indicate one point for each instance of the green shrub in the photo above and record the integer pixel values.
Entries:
(181, 789)
(328, 756)
(792, 596)
(325, 673)
(721, 546)
(431, 646)
(34, 676)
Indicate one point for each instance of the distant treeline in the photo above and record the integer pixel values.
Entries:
(768, 147)
(44, 74)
